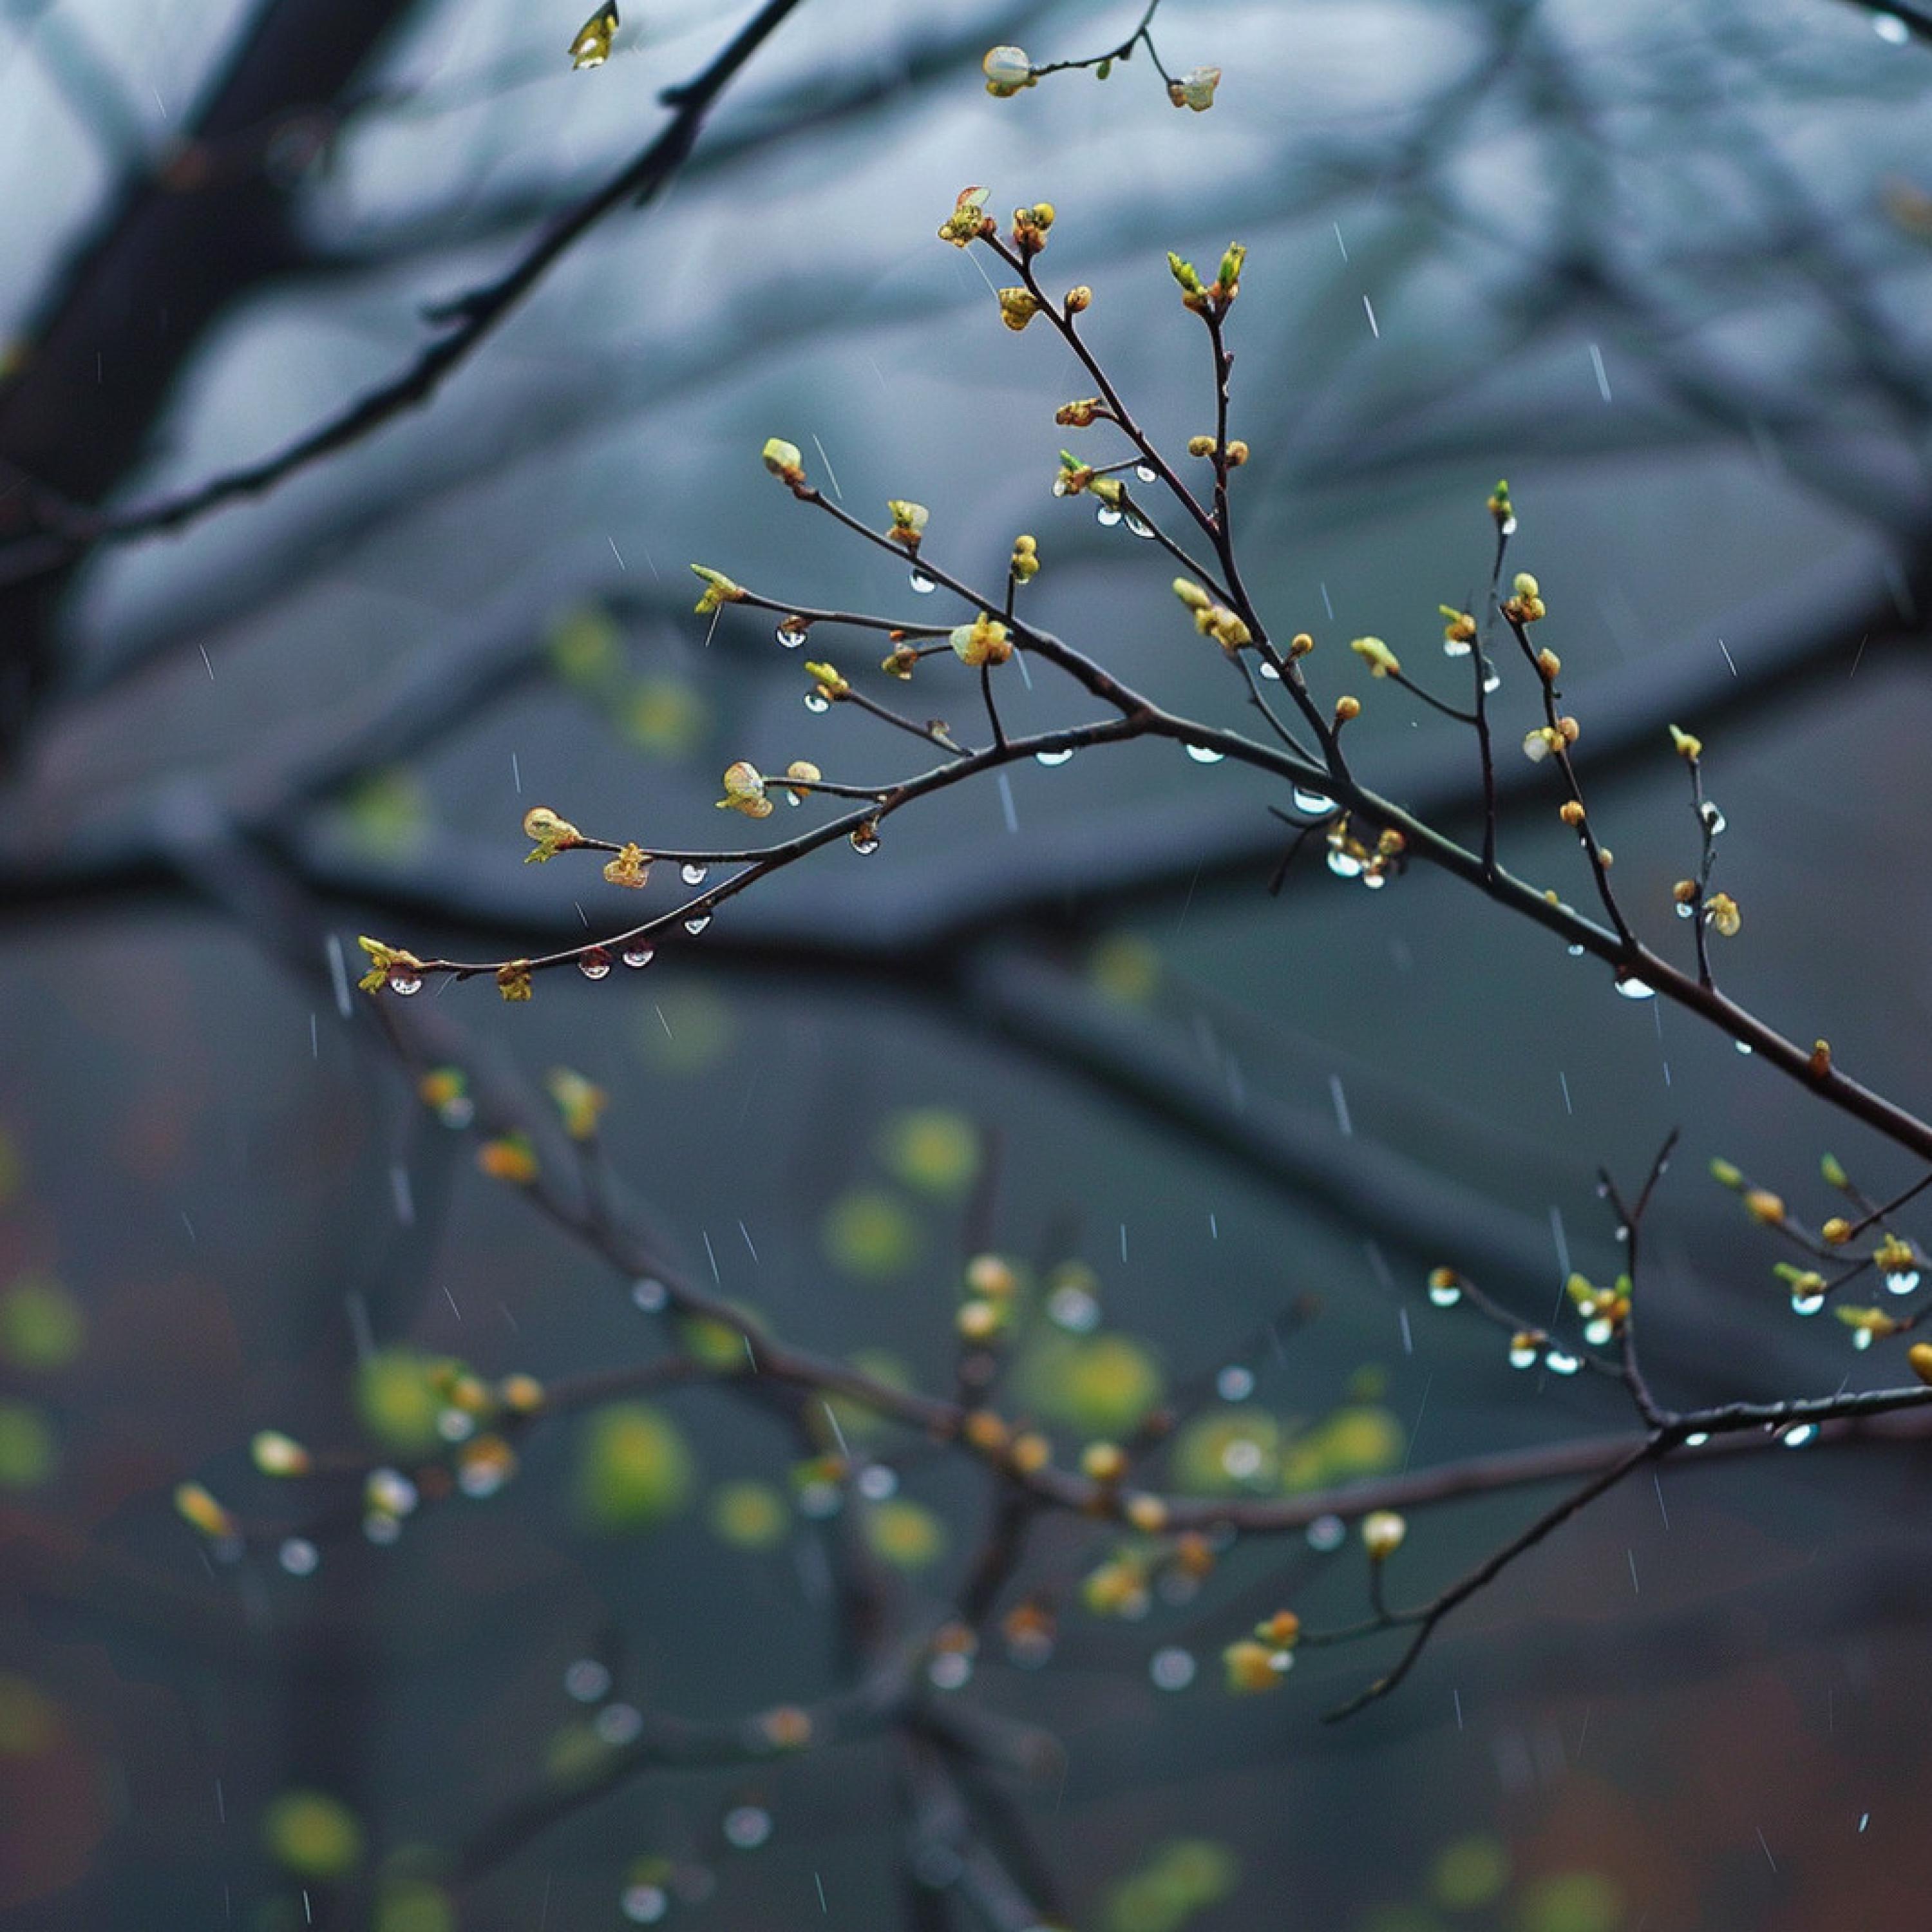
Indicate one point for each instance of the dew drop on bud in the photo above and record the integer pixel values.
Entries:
(1051, 758)
(594, 964)
(1106, 516)
(1344, 865)
(1631, 987)
(1560, 1363)
(1444, 1295)
(1686, 911)
(864, 841)
(816, 701)
(1796, 1439)
(1316, 804)
(1205, 755)
(1807, 1304)
(790, 636)
(1457, 647)
(1599, 1332)
(696, 922)
(405, 983)
(693, 874)
(1575, 952)
(639, 956)
(1059, 486)
(922, 583)
(1714, 820)
(1374, 881)
(1523, 1356)
(1492, 679)
(1902, 1281)
(1507, 526)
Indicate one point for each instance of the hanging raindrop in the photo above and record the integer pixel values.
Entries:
(865, 839)
(1205, 755)
(1051, 758)
(816, 701)
(1523, 1355)
(1744, 1046)
(1144, 471)
(1575, 952)
(1685, 910)
(696, 922)
(650, 1294)
(1902, 1281)
(1492, 679)
(1316, 804)
(1445, 1294)
(693, 874)
(1796, 1439)
(1269, 672)
(1457, 647)
(1107, 516)
(595, 965)
(1507, 526)
(405, 984)
(1632, 988)
(1139, 526)
(922, 583)
(1714, 820)
(639, 956)
(1560, 1363)
(1373, 880)
(1807, 1304)
(1343, 865)
(790, 636)
(1599, 1332)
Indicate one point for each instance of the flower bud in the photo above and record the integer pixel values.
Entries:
(784, 461)
(1382, 1534)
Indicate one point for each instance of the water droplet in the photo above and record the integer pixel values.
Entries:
(1457, 647)
(1522, 1357)
(1559, 1363)
(1242, 1459)
(1796, 1439)
(636, 956)
(1073, 1308)
(1861, 1339)
(877, 1481)
(380, 1527)
(1205, 755)
(1492, 679)
(865, 840)
(1145, 471)
(950, 1670)
(645, 1904)
(456, 1425)
(1890, 29)
(1444, 1295)
(1696, 1439)
(1714, 820)
(816, 701)
(1807, 1304)
(1507, 526)
(299, 1556)
(1685, 910)
(1374, 880)
(1316, 804)
(1744, 1046)
(594, 964)
(922, 583)
(1631, 987)
(1106, 516)
(1342, 865)
(618, 1723)
(1599, 1332)
(790, 636)
(696, 922)
(1139, 526)
(1269, 672)
(1059, 486)
(1326, 1533)
(1171, 1669)
(1234, 1383)
(1575, 952)
(693, 874)
(1902, 1281)
(586, 1680)
(747, 1827)
(1053, 757)
(404, 984)
(649, 1294)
